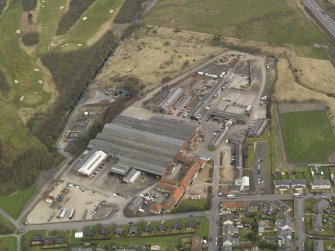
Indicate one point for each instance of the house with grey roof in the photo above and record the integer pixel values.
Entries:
(320, 185)
(320, 206)
(229, 219)
(232, 230)
(317, 222)
(284, 238)
(282, 185)
(298, 184)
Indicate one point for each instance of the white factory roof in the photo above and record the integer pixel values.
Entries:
(92, 163)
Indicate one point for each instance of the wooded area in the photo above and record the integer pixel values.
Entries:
(128, 11)
(76, 9)
(72, 72)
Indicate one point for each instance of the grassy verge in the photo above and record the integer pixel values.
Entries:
(8, 244)
(14, 204)
(6, 227)
(189, 205)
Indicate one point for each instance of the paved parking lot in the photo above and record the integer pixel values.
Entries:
(260, 168)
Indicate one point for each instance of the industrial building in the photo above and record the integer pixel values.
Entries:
(91, 160)
(166, 105)
(176, 188)
(221, 115)
(257, 128)
(132, 176)
(149, 146)
(134, 205)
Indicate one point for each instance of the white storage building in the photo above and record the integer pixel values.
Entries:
(91, 163)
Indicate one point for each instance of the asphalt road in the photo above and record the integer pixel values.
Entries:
(299, 213)
(260, 154)
(320, 16)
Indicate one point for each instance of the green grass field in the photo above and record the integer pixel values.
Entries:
(189, 205)
(8, 244)
(272, 21)
(14, 204)
(48, 23)
(308, 136)
(6, 225)
(97, 14)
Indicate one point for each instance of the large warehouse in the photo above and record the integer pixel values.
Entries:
(90, 162)
(146, 145)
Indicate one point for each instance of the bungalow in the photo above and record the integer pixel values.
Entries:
(36, 240)
(104, 232)
(90, 233)
(133, 230)
(284, 223)
(162, 227)
(119, 231)
(284, 238)
(148, 229)
(320, 185)
(177, 226)
(191, 225)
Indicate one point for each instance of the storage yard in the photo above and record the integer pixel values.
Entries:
(148, 158)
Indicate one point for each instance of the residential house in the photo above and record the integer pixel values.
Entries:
(162, 227)
(282, 185)
(191, 225)
(298, 184)
(284, 238)
(36, 240)
(232, 230)
(317, 222)
(177, 226)
(320, 206)
(119, 231)
(284, 223)
(320, 185)
(229, 219)
(148, 229)
(133, 230)
(261, 227)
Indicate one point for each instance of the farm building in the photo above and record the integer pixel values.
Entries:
(221, 115)
(167, 103)
(134, 205)
(146, 145)
(132, 176)
(91, 160)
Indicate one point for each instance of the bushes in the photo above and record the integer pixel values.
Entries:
(30, 39)
(29, 5)
(76, 9)
(72, 72)
(128, 11)
(4, 86)
(2, 5)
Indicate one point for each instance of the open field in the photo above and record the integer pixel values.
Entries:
(8, 244)
(298, 93)
(99, 19)
(273, 21)
(308, 136)
(189, 205)
(14, 204)
(152, 55)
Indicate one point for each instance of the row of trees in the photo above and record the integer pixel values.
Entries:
(72, 72)
(76, 9)
(128, 11)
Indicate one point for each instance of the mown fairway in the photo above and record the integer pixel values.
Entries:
(97, 14)
(272, 21)
(308, 136)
